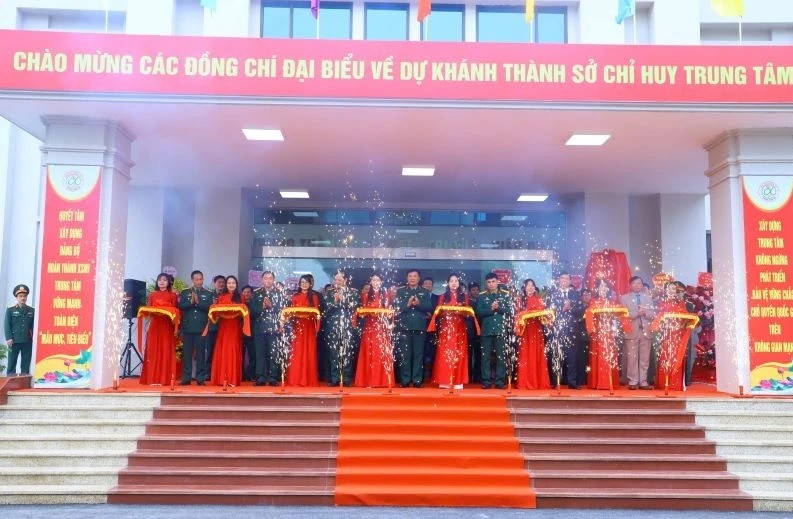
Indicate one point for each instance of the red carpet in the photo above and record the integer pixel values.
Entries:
(429, 450)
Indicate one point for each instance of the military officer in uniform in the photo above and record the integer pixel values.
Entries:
(265, 307)
(194, 304)
(19, 331)
(341, 302)
(413, 305)
(494, 309)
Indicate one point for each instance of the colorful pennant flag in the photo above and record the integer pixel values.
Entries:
(625, 9)
(315, 8)
(529, 10)
(425, 8)
(212, 5)
(728, 8)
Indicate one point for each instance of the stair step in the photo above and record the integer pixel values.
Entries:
(561, 445)
(630, 479)
(225, 477)
(88, 458)
(239, 495)
(53, 494)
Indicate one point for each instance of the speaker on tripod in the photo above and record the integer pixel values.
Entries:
(134, 297)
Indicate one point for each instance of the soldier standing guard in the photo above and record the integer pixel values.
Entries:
(494, 309)
(413, 305)
(194, 304)
(19, 331)
(265, 307)
(341, 302)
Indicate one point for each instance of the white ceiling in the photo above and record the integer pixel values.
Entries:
(482, 155)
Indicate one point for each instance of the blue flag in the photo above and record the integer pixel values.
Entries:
(625, 9)
(212, 5)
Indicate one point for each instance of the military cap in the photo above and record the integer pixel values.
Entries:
(21, 288)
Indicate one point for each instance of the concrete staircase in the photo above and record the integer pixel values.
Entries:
(60, 447)
(755, 436)
(237, 449)
(621, 453)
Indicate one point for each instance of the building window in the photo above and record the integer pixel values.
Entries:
(294, 20)
(508, 24)
(447, 23)
(386, 21)
(72, 20)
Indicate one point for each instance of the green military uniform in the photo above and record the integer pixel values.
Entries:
(494, 331)
(339, 333)
(194, 321)
(411, 325)
(19, 329)
(266, 326)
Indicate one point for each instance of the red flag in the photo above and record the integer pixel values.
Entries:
(425, 7)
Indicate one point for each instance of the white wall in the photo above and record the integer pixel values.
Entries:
(21, 188)
(645, 235)
(683, 236)
(178, 231)
(607, 217)
(675, 22)
(145, 232)
(150, 17)
(597, 22)
(216, 243)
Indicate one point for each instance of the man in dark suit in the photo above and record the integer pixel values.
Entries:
(413, 306)
(339, 306)
(194, 304)
(566, 304)
(494, 308)
(265, 307)
(431, 344)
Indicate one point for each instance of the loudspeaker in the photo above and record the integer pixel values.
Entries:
(134, 297)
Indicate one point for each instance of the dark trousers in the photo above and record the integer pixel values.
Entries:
(583, 361)
(194, 343)
(24, 348)
(211, 337)
(249, 348)
(265, 355)
(474, 357)
(493, 344)
(340, 362)
(411, 356)
(430, 350)
(570, 365)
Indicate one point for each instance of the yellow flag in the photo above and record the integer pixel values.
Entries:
(529, 10)
(728, 8)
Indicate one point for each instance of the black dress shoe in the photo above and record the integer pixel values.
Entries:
(260, 383)
(403, 385)
(184, 383)
(485, 386)
(500, 386)
(201, 383)
(573, 386)
(418, 385)
(333, 384)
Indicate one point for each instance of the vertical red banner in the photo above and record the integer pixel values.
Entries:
(68, 277)
(768, 232)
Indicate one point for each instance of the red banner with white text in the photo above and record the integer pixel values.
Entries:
(68, 277)
(768, 232)
(294, 68)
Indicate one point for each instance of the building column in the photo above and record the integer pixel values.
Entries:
(675, 22)
(150, 17)
(91, 143)
(597, 22)
(230, 18)
(732, 156)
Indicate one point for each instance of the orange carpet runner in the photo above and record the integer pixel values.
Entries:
(430, 450)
